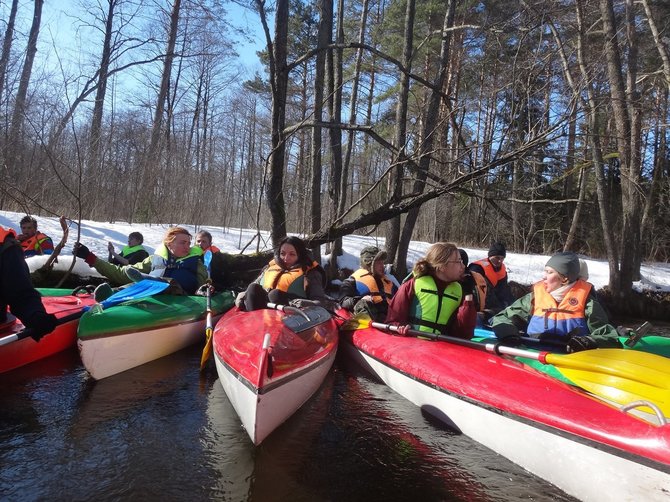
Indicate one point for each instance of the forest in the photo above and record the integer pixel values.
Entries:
(539, 123)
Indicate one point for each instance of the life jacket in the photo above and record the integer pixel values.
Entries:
(33, 246)
(482, 288)
(430, 309)
(492, 276)
(211, 248)
(549, 318)
(183, 270)
(128, 250)
(366, 284)
(4, 233)
(288, 280)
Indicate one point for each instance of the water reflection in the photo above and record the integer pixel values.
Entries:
(163, 431)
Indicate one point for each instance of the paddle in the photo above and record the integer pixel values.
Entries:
(207, 350)
(136, 291)
(302, 319)
(617, 375)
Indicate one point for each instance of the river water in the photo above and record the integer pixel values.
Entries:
(164, 432)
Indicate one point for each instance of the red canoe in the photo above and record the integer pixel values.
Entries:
(25, 351)
(585, 446)
(269, 364)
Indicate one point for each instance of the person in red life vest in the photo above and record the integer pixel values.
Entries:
(369, 289)
(174, 260)
(289, 279)
(204, 240)
(17, 291)
(133, 253)
(499, 294)
(32, 241)
(475, 284)
(562, 307)
(432, 298)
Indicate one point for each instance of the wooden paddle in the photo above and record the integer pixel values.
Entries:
(617, 375)
(207, 350)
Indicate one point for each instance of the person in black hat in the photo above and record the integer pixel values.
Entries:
(560, 308)
(499, 294)
(369, 288)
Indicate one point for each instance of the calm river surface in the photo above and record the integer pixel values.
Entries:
(163, 432)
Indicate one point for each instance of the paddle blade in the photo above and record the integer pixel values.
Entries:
(207, 350)
(136, 291)
(621, 376)
(358, 321)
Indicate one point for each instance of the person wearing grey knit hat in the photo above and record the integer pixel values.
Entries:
(561, 307)
(369, 288)
(566, 264)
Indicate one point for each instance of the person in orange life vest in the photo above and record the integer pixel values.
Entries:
(369, 289)
(130, 254)
(561, 307)
(432, 299)
(499, 294)
(32, 241)
(475, 284)
(17, 291)
(290, 278)
(204, 240)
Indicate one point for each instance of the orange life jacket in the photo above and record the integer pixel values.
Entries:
(367, 285)
(492, 276)
(558, 319)
(287, 280)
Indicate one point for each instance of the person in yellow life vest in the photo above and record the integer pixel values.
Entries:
(432, 299)
(562, 307)
(499, 294)
(204, 240)
(475, 284)
(290, 278)
(133, 253)
(369, 289)
(33, 241)
(17, 291)
(174, 260)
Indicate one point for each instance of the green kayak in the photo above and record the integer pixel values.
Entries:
(139, 331)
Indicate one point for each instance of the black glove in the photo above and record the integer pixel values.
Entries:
(81, 251)
(42, 325)
(579, 343)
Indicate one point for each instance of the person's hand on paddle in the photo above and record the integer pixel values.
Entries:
(81, 251)
(205, 289)
(403, 330)
(579, 343)
(41, 326)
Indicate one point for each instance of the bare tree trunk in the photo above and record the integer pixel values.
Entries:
(279, 83)
(7, 45)
(395, 179)
(152, 160)
(324, 37)
(16, 125)
(430, 123)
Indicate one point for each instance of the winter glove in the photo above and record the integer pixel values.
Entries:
(42, 325)
(579, 343)
(81, 251)
(239, 300)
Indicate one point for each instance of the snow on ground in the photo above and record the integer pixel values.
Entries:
(524, 269)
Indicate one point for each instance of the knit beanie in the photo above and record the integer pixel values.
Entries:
(497, 249)
(371, 254)
(565, 263)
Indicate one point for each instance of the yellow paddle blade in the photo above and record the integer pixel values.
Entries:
(207, 350)
(358, 321)
(621, 376)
